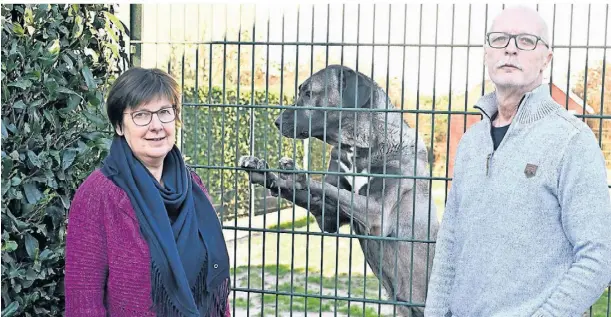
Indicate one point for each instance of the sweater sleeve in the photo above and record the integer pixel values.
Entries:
(442, 274)
(586, 218)
(200, 183)
(86, 255)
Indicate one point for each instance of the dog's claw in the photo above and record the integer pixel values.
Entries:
(252, 162)
(298, 179)
(287, 164)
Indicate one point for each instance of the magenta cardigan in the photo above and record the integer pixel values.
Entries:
(107, 261)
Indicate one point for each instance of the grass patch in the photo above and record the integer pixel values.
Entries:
(240, 302)
(600, 307)
(357, 310)
(301, 222)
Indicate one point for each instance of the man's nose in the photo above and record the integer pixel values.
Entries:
(511, 48)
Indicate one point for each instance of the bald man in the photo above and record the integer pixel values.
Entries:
(527, 226)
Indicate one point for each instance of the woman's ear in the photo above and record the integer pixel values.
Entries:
(119, 130)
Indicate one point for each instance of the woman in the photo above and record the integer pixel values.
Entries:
(143, 238)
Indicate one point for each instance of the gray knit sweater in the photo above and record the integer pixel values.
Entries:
(527, 228)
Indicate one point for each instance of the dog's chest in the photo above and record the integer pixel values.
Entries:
(347, 163)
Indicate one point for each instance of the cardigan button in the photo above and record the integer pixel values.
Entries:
(216, 266)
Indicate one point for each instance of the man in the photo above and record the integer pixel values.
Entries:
(527, 226)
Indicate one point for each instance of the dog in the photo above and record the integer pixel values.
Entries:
(364, 142)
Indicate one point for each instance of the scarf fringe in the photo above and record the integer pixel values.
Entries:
(214, 301)
(212, 304)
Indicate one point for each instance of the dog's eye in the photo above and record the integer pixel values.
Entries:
(308, 94)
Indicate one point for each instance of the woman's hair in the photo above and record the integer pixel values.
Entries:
(138, 86)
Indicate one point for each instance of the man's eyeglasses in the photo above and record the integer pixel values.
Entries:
(524, 41)
(144, 117)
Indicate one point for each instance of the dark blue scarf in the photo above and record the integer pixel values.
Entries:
(189, 260)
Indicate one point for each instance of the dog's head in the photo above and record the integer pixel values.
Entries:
(332, 87)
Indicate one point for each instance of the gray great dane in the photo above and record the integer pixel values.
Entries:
(369, 142)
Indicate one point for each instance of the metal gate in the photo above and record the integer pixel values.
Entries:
(241, 65)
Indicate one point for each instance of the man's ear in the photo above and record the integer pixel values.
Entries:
(356, 88)
(548, 59)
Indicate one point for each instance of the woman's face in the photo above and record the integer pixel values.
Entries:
(150, 135)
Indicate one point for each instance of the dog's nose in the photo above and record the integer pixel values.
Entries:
(277, 122)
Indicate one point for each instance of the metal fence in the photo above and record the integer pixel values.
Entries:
(241, 65)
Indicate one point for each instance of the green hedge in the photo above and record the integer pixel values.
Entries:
(57, 61)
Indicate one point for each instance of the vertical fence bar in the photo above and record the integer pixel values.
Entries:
(568, 72)
(209, 101)
(309, 167)
(449, 125)
(358, 27)
(222, 106)
(433, 130)
(386, 107)
(295, 92)
(135, 27)
(280, 154)
(169, 69)
(585, 72)
(373, 40)
(553, 44)
(324, 154)
(252, 121)
(237, 155)
(483, 59)
(266, 114)
(396, 267)
(602, 100)
(182, 84)
(415, 161)
(339, 158)
(466, 98)
(197, 109)
(156, 37)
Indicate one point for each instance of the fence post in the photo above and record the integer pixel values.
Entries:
(135, 26)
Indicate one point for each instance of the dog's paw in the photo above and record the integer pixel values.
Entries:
(287, 164)
(298, 179)
(254, 165)
(252, 162)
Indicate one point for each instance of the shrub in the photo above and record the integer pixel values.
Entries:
(57, 61)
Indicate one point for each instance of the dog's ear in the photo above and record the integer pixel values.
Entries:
(355, 86)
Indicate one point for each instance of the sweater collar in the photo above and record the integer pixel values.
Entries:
(535, 105)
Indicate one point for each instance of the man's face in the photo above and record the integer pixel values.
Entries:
(512, 67)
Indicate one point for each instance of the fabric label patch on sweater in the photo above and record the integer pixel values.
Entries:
(530, 170)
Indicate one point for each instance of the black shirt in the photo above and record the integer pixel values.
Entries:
(498, 133)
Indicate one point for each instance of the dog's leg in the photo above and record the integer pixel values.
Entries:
(365, 211)
(282, 184)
